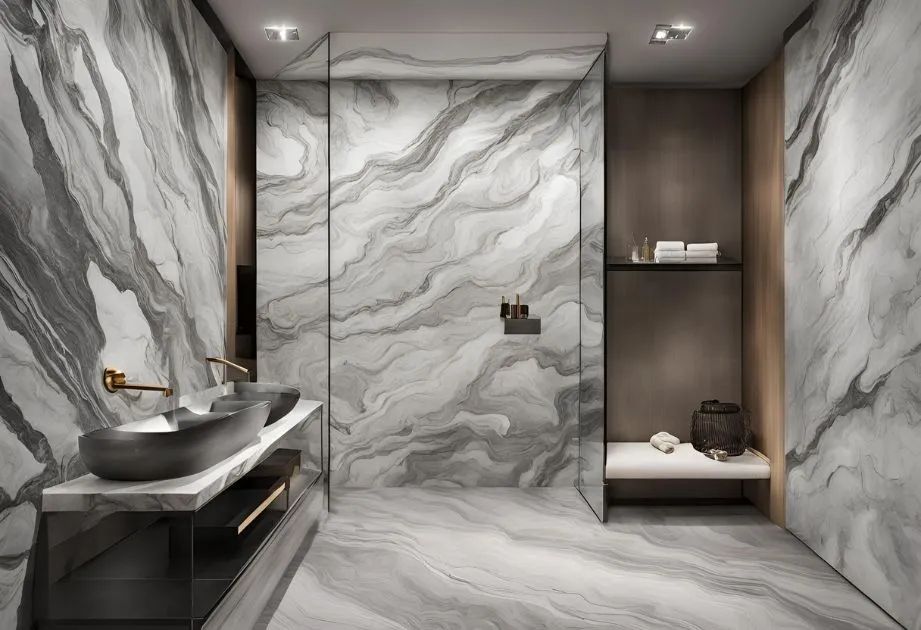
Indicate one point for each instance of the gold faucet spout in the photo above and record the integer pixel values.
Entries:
(114, 379)
(227, 363)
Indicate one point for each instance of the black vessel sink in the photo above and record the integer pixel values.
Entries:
(175, 444)
(281, 397)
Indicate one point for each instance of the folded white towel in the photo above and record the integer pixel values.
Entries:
(670, 246)
(670, 257)
(662, 445)
(701, 254)
(668, 437)
(703, 247)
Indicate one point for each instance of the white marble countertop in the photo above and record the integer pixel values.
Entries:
(90, 493)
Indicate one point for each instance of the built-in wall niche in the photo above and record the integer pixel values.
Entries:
(675, 333)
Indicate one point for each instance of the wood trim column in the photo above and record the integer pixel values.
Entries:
(763, 279)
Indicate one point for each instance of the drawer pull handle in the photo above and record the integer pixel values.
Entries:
(261, 508)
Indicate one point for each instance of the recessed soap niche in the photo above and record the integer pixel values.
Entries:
(517, 318)
(530, 326)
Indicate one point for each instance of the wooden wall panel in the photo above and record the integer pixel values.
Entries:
(763, 279)
(674, 171)
(674, 339)
(241, 198)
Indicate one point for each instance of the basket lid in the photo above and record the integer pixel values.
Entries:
(715, 406)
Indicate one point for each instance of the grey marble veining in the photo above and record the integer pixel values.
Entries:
(311, 64)
(112, 231)
(509, 558)
(853, 317)
(447, 195)
(464, 56)
(292, 232)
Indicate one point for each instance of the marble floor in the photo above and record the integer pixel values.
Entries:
(400, 558)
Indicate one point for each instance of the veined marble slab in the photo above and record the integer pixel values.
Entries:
(310, 65)
(112, 233)
(445, 197)
(292, 232)
(510, 559)
(853, 313)
(89, 492)
(471, 56)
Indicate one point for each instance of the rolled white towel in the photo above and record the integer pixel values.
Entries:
(671, 246)
(662, 445)
(668, 437)
(703, 247)
(701, 253)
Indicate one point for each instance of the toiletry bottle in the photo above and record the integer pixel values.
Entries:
(503, 308)
(647, 253)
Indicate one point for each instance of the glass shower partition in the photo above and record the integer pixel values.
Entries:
(592, 441)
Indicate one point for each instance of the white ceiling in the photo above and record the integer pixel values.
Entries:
(732, 39)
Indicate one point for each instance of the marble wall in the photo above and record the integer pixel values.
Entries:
(853, 314)
(447, 195)
(112, 232)
(292, 233)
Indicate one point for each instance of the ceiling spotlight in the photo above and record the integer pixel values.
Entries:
(281, 33)
(664, 33)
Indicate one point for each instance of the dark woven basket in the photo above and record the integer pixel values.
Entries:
(720, 425)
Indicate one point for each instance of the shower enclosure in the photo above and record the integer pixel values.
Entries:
(424, 177)
(592, 426)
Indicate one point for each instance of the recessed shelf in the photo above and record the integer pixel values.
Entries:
(640, 460)
(530, 326)
(722, 264)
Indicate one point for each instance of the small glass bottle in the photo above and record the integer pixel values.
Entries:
(647, 253)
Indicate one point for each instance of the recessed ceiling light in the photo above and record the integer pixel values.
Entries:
(281, 33)
(664, 33)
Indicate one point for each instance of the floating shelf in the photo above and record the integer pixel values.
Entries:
(722, 264)
(641, 460)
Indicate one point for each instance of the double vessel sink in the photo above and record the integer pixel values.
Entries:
(182, 441)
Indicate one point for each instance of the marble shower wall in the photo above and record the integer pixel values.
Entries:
(292, 232)
(853, 314)
(447, 195)
(112, 232)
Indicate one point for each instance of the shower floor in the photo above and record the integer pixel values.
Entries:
(399, 558)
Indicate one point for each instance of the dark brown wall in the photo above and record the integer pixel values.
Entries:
(246, 173)
(673, 338)
(763, 277)
(674, 167)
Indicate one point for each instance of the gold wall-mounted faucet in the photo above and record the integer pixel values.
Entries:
(229, 364)
(114, 379)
